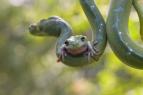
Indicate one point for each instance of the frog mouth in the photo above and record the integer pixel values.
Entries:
(77, 51)
(84, 50)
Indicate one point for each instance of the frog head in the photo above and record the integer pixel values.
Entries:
(76, 44)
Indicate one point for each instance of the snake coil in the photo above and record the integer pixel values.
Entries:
(56, 26)
(117, 32)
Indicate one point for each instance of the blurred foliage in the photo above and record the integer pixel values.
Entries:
(28, 63)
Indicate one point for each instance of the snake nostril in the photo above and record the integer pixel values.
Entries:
(66, 43)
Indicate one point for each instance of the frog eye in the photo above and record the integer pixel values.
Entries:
(66, 43)
(83, 38)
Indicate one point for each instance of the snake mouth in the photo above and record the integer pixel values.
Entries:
(78, 51)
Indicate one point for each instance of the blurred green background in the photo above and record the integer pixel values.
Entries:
(28, 63)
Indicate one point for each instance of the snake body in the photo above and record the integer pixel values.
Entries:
(82, 52)
(117, 32)
(138, 5)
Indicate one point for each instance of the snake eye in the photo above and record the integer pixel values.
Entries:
(66, 43)
(82, 38)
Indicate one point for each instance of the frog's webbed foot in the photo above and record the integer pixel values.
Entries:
(62, 55)
(93, 52)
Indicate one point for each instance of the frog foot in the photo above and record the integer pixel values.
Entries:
(93, 52)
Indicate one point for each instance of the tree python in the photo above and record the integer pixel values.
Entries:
(75, 50)
(78, 51)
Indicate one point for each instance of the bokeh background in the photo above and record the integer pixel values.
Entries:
(28, 63)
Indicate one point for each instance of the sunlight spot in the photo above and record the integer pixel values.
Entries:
(126, 44)
(100, 30)
(92, 6)
(119, 9)
(130, 49)
(101, 24)
(120, 33)
(17, 2)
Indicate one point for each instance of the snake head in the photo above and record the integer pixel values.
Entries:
(48, 27)
(37, 29)
(33, 29)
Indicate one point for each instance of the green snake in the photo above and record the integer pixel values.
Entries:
(75, 50)
(117, 32)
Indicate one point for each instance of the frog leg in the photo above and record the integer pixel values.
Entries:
(62, 55)
(93, 51)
